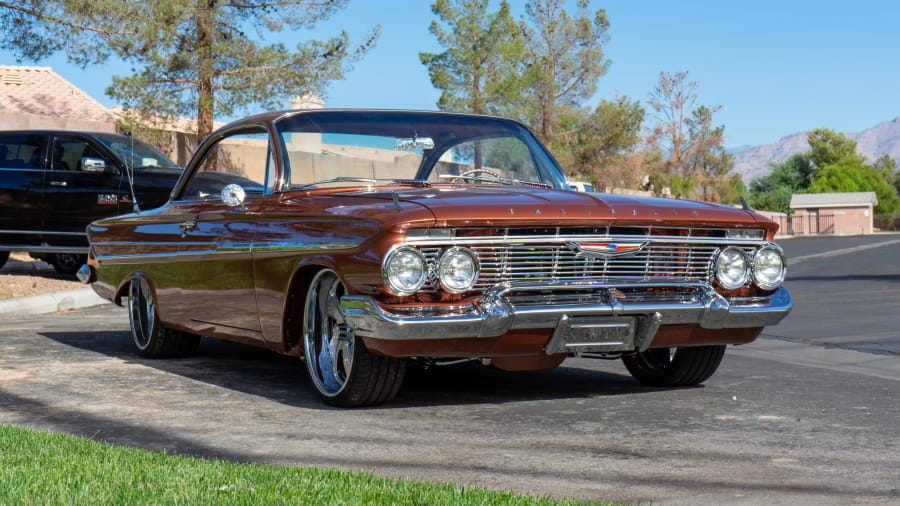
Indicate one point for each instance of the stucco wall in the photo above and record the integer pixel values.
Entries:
(850, 220)
(15, 120)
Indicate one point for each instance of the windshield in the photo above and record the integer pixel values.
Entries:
(143, 155)
(350, 148)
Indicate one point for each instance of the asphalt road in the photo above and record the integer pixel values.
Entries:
(810, 413)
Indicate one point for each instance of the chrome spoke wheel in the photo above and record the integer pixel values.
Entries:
(328, 340)
(141, 313)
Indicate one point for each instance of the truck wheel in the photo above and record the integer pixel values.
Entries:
(674, 367)
(4, 256)
(151, 339)
(343, 371)
(67, 263)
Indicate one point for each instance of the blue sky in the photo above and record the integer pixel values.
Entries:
(774, 67)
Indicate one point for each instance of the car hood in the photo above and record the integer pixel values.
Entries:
(529, 206)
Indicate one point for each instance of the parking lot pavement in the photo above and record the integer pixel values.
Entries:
(846, 293)
(801, 246)
(802, 418)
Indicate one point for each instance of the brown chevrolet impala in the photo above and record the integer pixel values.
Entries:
(363, 240)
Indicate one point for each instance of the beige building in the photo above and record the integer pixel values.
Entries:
(35, 98)
(832, 213)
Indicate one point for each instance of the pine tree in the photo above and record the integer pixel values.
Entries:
(190, 57)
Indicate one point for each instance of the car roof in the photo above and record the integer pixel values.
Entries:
(277, 115)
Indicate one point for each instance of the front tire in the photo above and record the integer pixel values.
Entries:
(67, 263)
(343, 371)
(150, 338)
(674, 367)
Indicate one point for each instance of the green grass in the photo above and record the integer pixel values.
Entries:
(41, 468)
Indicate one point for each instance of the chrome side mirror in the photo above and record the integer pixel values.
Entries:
(233, 195)
(93, 164)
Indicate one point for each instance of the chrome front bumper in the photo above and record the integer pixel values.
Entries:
(493, 314)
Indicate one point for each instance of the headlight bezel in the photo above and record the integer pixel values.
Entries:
(748, 267)
(756, 255)
(476, 267)
(390, 284)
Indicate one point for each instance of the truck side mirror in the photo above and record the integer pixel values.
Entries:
(93, 164)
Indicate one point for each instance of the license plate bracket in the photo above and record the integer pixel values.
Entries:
(588, 334)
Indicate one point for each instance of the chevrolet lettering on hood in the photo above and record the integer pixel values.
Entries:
(364, 241)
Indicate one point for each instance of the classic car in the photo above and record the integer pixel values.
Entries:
(365, 240)
(53, 183)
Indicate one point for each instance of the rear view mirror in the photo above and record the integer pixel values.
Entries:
(93, 164)
(414, 143)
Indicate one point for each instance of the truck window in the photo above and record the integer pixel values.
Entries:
(22, 152)
(68, 153)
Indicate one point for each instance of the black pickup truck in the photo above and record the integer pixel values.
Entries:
(54, 183)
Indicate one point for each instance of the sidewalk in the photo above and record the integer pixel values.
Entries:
(49, 303)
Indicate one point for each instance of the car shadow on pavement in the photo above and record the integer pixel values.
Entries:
(283, 379)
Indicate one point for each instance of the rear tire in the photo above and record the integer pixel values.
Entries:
(4, 256)
(67, 263)
(150, 338)
(675, 367)
(343, 371)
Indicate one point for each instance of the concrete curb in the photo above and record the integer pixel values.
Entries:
(50, 303)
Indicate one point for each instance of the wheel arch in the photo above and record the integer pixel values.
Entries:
(295, 298)
(122, 289)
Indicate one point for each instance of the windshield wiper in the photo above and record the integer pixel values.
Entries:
(414, 182)
(492, 179)
(341, 179)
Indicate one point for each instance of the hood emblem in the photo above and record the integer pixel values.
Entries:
(605, 249)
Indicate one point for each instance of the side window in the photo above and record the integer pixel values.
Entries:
(68, 154)
(22, 152)
(242, 158)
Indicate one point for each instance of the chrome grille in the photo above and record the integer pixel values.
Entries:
(550, 259)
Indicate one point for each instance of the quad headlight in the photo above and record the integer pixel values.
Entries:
(458, 269)
(732, 268)
(404, 270)
(768, 267)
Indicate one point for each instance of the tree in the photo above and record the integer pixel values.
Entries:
(599, 145)
(852, 175)
(672, 99)
(706, 156)
(190, 57)
(887, 166)
(564, 58)
(478, 70)
(827, 147)
(773, 192)
(695, 155)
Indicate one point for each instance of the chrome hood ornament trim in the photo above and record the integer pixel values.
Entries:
(605, 249)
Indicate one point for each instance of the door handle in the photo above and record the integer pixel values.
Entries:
(58, 183)
(190, 224)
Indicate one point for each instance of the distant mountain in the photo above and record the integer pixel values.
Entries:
(753, 161)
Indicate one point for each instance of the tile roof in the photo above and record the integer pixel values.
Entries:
(39, 90)
(162, 121)
(833, 199)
